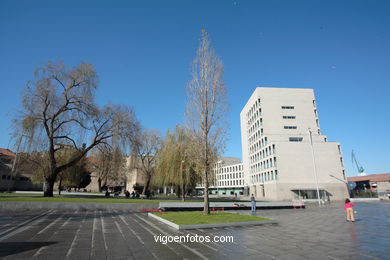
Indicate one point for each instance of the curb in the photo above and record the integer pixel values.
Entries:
(213, 225)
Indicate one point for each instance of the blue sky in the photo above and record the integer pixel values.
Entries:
(142, 51)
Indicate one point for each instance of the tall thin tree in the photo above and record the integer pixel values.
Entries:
(206, 109)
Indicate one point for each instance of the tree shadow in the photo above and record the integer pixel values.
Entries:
(10, 248)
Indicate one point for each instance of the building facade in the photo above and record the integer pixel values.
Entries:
(228, 177)
(285, 156)
(14, 180)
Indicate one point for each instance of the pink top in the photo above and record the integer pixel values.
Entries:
(348, 205)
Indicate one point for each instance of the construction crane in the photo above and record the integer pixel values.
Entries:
(358, 166)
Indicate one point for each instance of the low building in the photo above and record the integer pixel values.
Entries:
(14, 180)
(7, 178)
(378, 183)
(227, 178)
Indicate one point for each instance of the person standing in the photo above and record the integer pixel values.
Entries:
(253, 203)
(348, 207)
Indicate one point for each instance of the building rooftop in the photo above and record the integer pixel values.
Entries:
(7, 152)
(371, 177)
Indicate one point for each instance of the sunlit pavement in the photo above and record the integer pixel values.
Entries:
(311, 233)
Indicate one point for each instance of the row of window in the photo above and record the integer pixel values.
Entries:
(228, 169)
(253, 108)
(295, 139)
(231, 183)
(230, 176)
(287, 107)
(255, 126)
(256, 136)
(265, 177)
(288, 117)
(290, 127)
(255, 116)
(262, 154)
(269, 163)
(258, 145)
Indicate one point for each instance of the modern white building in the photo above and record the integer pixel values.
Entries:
(228, 177)
(285, 156)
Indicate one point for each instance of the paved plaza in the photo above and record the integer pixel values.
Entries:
(311, 233)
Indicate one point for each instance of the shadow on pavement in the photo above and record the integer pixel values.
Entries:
(10, 248)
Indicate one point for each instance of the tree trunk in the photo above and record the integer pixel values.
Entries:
(59, 186)
(183, 193)
(146, 187)
(206, 210)
(48, 186)
(100, 184)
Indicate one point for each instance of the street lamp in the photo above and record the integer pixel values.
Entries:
(13, 169)
(315, 168)
(346, 182)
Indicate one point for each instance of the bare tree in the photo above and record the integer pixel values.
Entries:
(144, 152)
(59, 111)
(206, 108)
(100, 165)
(108, 165)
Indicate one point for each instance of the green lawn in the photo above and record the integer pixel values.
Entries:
(197, 217)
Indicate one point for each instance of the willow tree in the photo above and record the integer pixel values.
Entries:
(206, 109)
(175, 164)
(59, 111)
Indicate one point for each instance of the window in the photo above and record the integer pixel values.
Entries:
(290, 127)
(287, 107)
(295, 139)
(288, 117)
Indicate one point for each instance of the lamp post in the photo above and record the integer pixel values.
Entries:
(346, 183)
(13, 169)
(315, 168)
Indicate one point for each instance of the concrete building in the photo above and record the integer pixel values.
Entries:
(228, 177)
(284, 153)
(135, 177)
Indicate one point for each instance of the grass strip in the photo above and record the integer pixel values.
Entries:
(197, 217)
